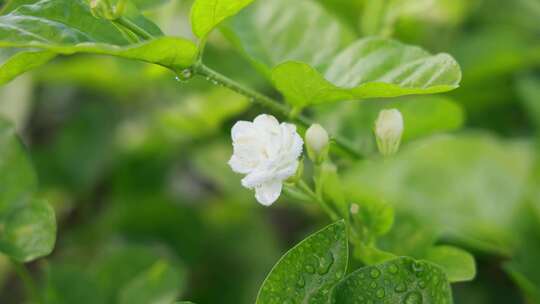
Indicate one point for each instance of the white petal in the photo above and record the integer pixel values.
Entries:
(240, 128)
(260, 175)
(268, 193)
(239, 165)
(266, 123)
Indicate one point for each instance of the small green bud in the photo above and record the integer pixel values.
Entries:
(388, 131)
(317, 143)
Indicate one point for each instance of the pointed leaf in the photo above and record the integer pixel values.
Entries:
(309, 271)
(207, 14)
(402, 280)
(68, 27)
(16, 62)
(369, 68)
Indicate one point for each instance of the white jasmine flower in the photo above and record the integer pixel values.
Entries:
(388, 131)
(267, 152)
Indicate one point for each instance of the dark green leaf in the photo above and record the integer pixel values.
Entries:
(402, 280)
(67, 27)
(309, 271)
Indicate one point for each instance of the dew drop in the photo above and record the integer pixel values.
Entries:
(413, 298)
(380, 293)
(310, 269)
(325, 263)
(393, 269)
(417, 267)
(422, 284)
(400, 287)
(375, 273)
(184, 75)
(301, 282)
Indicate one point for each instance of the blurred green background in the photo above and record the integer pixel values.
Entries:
(135, 162)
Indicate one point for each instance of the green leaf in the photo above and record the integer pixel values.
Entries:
(160, 284)
(457, 263)
(16, 62)
(149, 4)
(402, 280)
(308, 272)
(369, 68)
(28, 232)
(45, 25)
(208, 14)
(27, 225)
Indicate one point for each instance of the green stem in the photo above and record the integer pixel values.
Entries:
(265, 101)
(27, 280)
(307, 190)
(133, 27)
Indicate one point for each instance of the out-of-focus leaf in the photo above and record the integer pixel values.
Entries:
(368, 68)
(309, 271)
(402, 280)
(160, 284)
(29, 231)
(28, 224)
(457, 263)
(207, 14)
(17, 101)
(529, 91)
(17, 62)
(468, 186)
(44, 25)
(422, 115)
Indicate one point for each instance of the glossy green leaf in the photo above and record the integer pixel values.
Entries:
(309, 271)
(207, 14)
(16, 62)
(368, 68)
(160, 284)
(457, 263)
(45, 25)
(402, 280)
(469, 187)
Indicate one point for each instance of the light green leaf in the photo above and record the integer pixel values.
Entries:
(16, 62)
(309, 271)
(160, 284)
(457, 263)
(45, 25)
(207, 14)
(149, 4)
(402, 280)
(369, 68)
(28, 232)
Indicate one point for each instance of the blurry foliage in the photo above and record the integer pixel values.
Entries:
(134, 161)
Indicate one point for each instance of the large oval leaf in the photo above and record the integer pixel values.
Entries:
(402, 280)
(369, 68)
(68, 27)
(309, 271)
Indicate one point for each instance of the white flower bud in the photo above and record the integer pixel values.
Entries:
(267, 153)
(317, 142)
(388, 131)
